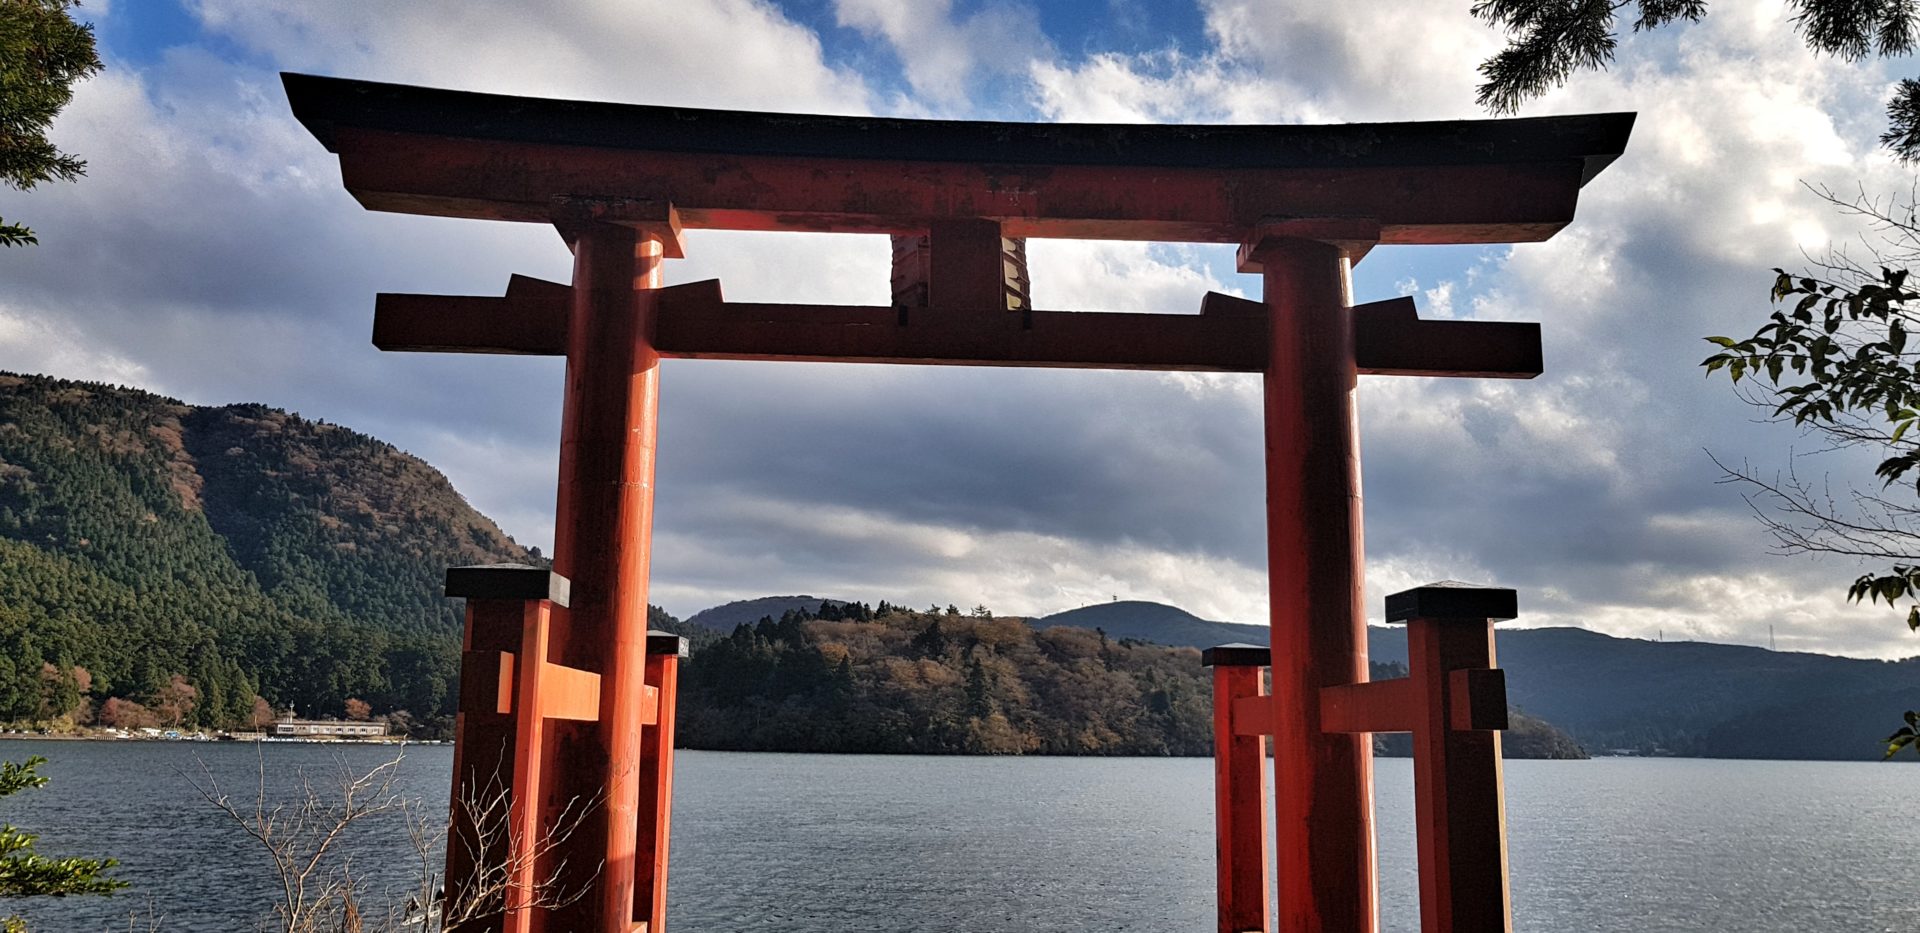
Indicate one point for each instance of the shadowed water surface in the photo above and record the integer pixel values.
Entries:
(825, 844)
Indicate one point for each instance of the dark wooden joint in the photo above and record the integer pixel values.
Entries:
(1236, 655)
(664, 644)
(1477, 699)
(1451, 601)
(508, 581)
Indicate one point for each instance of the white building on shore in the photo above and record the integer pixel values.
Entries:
(325, 729)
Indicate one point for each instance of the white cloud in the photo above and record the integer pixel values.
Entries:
(211, 253)
(941, 55)
(716, 53)
(870, 555)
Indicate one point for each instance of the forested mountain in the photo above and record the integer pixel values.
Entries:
(1645, 697)
(165, 562)
(846, 677)
(886, 679)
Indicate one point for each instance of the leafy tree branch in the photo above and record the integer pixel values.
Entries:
(25, 873)
(43, 53)
(1550, 40)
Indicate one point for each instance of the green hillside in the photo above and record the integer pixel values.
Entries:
(167, 560)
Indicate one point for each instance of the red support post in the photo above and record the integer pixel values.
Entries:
(491, 819)
(1239, 792)
(602, 542)
(664, 651)
(1459, 799)
(1323, 793)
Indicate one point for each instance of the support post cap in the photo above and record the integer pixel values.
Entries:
(1236, 655)
(1451, 600)
(659, 642)
(508, 581)
(1352, 236)
(573, 214)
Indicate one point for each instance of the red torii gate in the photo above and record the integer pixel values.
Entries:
(589, 724)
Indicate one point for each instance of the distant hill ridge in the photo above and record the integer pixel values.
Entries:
(1683, 698)
(1619, 694)
(723, 618)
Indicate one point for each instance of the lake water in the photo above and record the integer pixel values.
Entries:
(843, 844)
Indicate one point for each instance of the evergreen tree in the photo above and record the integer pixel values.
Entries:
(979, 697)
(24, 873)
(43, 52)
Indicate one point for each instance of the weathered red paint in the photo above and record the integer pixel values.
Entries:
(1459, 797)
(1323, 782)
(500, 180)
(1228, 335)
(530, 726)
(656, 786)
(1243, 857)
(1379, 706)
(602, 543)
(483, 747)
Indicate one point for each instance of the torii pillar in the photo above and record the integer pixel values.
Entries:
(603, 542)
(1323, 782)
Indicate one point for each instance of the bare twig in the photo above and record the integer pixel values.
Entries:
(306, 839)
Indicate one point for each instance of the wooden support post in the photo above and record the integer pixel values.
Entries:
(491, 823)
(602, 542)
(1243, 857)
(1459, 801)
(664, 651)
(1323, 782)
(967, 267)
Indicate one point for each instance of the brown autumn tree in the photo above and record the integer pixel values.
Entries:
(122, 713)
(261, 714)
(174, 702)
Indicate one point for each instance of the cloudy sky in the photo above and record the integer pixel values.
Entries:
(211, 254)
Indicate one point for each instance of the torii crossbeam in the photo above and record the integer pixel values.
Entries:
(621, 182)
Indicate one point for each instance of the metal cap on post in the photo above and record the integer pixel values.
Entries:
(1237, 654)
(1451, 599)
(661, 643)
(508, 581)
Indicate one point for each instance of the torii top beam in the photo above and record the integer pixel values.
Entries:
(459, 154)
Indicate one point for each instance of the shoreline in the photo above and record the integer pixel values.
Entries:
(203, 738)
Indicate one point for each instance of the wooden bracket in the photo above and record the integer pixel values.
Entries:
(491, 695)
(1390, 339)
(565, 692)
(967, 270)
(1253, 715)
(1477, 699)
(572, 213)
(1353, 236)
(1374, 706)
(526, 325)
